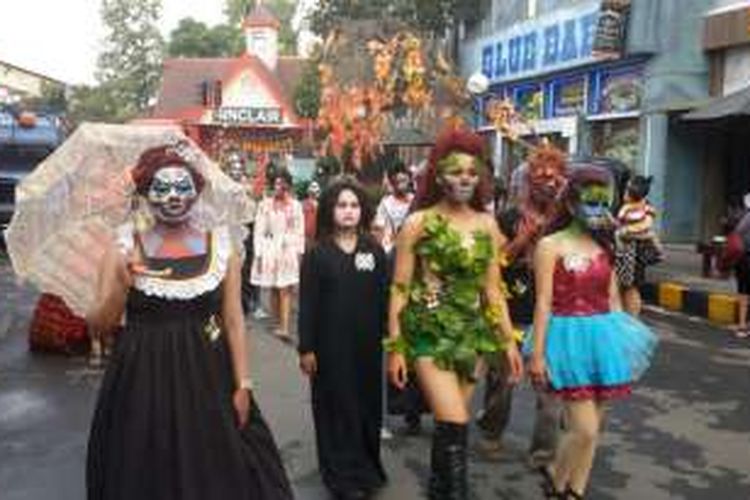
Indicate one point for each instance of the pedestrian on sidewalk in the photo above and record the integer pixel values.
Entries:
(637, 244)
(584, 348)
(742, 269)
(536, 211)
(279, 243)
(343, 300)
(175, 416)
(447, 310)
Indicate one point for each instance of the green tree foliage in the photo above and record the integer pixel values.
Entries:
(129, 67)
(431, 17)
(235, 11)
(94, 104)
(52, 98)
(193, 38)
(307, 92)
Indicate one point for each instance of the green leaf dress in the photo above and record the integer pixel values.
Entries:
(445, 317)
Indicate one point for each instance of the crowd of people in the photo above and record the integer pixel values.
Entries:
(434, 289)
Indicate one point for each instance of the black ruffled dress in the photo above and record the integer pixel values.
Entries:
(164, 426)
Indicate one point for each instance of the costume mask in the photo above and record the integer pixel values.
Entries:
(314, 190)
(171, 194)
(235, 169)
(593, 208)
(546, 181)
(459, 176)
(347, 212)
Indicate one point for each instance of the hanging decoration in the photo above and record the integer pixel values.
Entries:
(405, 84)
(510, 123)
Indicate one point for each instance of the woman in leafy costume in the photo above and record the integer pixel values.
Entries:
(447, 306)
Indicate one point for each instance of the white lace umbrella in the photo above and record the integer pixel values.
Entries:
(68, 209)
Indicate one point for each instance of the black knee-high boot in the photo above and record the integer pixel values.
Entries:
(448, 479)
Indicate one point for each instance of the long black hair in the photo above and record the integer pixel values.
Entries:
(326, 229)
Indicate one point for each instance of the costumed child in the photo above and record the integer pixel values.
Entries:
(637, 245)
(584, 349)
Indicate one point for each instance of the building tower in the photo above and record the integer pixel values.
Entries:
(261, 29)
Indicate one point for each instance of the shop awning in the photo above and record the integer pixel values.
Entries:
(732, 105)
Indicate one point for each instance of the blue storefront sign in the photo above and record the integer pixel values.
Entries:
(562, 40)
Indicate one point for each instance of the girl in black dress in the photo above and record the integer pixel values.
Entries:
(175, 417)
(341, 325)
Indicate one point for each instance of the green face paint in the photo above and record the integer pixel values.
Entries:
(597, 194)
(455, 163)
(459, 176)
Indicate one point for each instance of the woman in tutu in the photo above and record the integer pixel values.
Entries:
(175, 417)
(584, 348)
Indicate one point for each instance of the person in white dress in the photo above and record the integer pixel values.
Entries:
(279, 242)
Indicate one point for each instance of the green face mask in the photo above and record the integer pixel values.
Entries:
(593, 209)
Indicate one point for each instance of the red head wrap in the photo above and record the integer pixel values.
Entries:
(154, 159)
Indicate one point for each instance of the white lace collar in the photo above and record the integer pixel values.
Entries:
(220, 248)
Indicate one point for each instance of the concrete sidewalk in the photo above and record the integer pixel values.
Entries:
(677, 284)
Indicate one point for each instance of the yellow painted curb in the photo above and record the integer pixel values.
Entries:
(670, 296)
(722, 308)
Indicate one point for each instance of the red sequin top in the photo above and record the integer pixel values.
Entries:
(581, 285)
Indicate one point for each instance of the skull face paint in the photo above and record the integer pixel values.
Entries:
(459, 176)
(172, 194)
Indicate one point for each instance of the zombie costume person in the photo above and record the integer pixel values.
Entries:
(175, 417)
(584, 349)
(310, 213)
(536, 191)
(447, 311)
(279, 243)
(236, 170)
(343, 300)
(390, 216)
(393, 207)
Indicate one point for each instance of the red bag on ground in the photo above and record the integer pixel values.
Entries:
(54, 328)
(733, 251)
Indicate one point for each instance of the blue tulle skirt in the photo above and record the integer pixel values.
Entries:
(598, 355)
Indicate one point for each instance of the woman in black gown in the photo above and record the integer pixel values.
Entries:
(175, 418)
(341, 325)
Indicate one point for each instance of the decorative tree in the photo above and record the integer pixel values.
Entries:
(373, 85)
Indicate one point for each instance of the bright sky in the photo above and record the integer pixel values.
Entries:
(61, 38)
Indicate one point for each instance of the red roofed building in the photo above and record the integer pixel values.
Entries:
(243, 103)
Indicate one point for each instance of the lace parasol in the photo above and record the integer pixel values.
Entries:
(68, 210)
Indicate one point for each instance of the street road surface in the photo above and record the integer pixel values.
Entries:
(685, 433)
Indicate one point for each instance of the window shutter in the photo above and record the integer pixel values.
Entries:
(217, 93)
